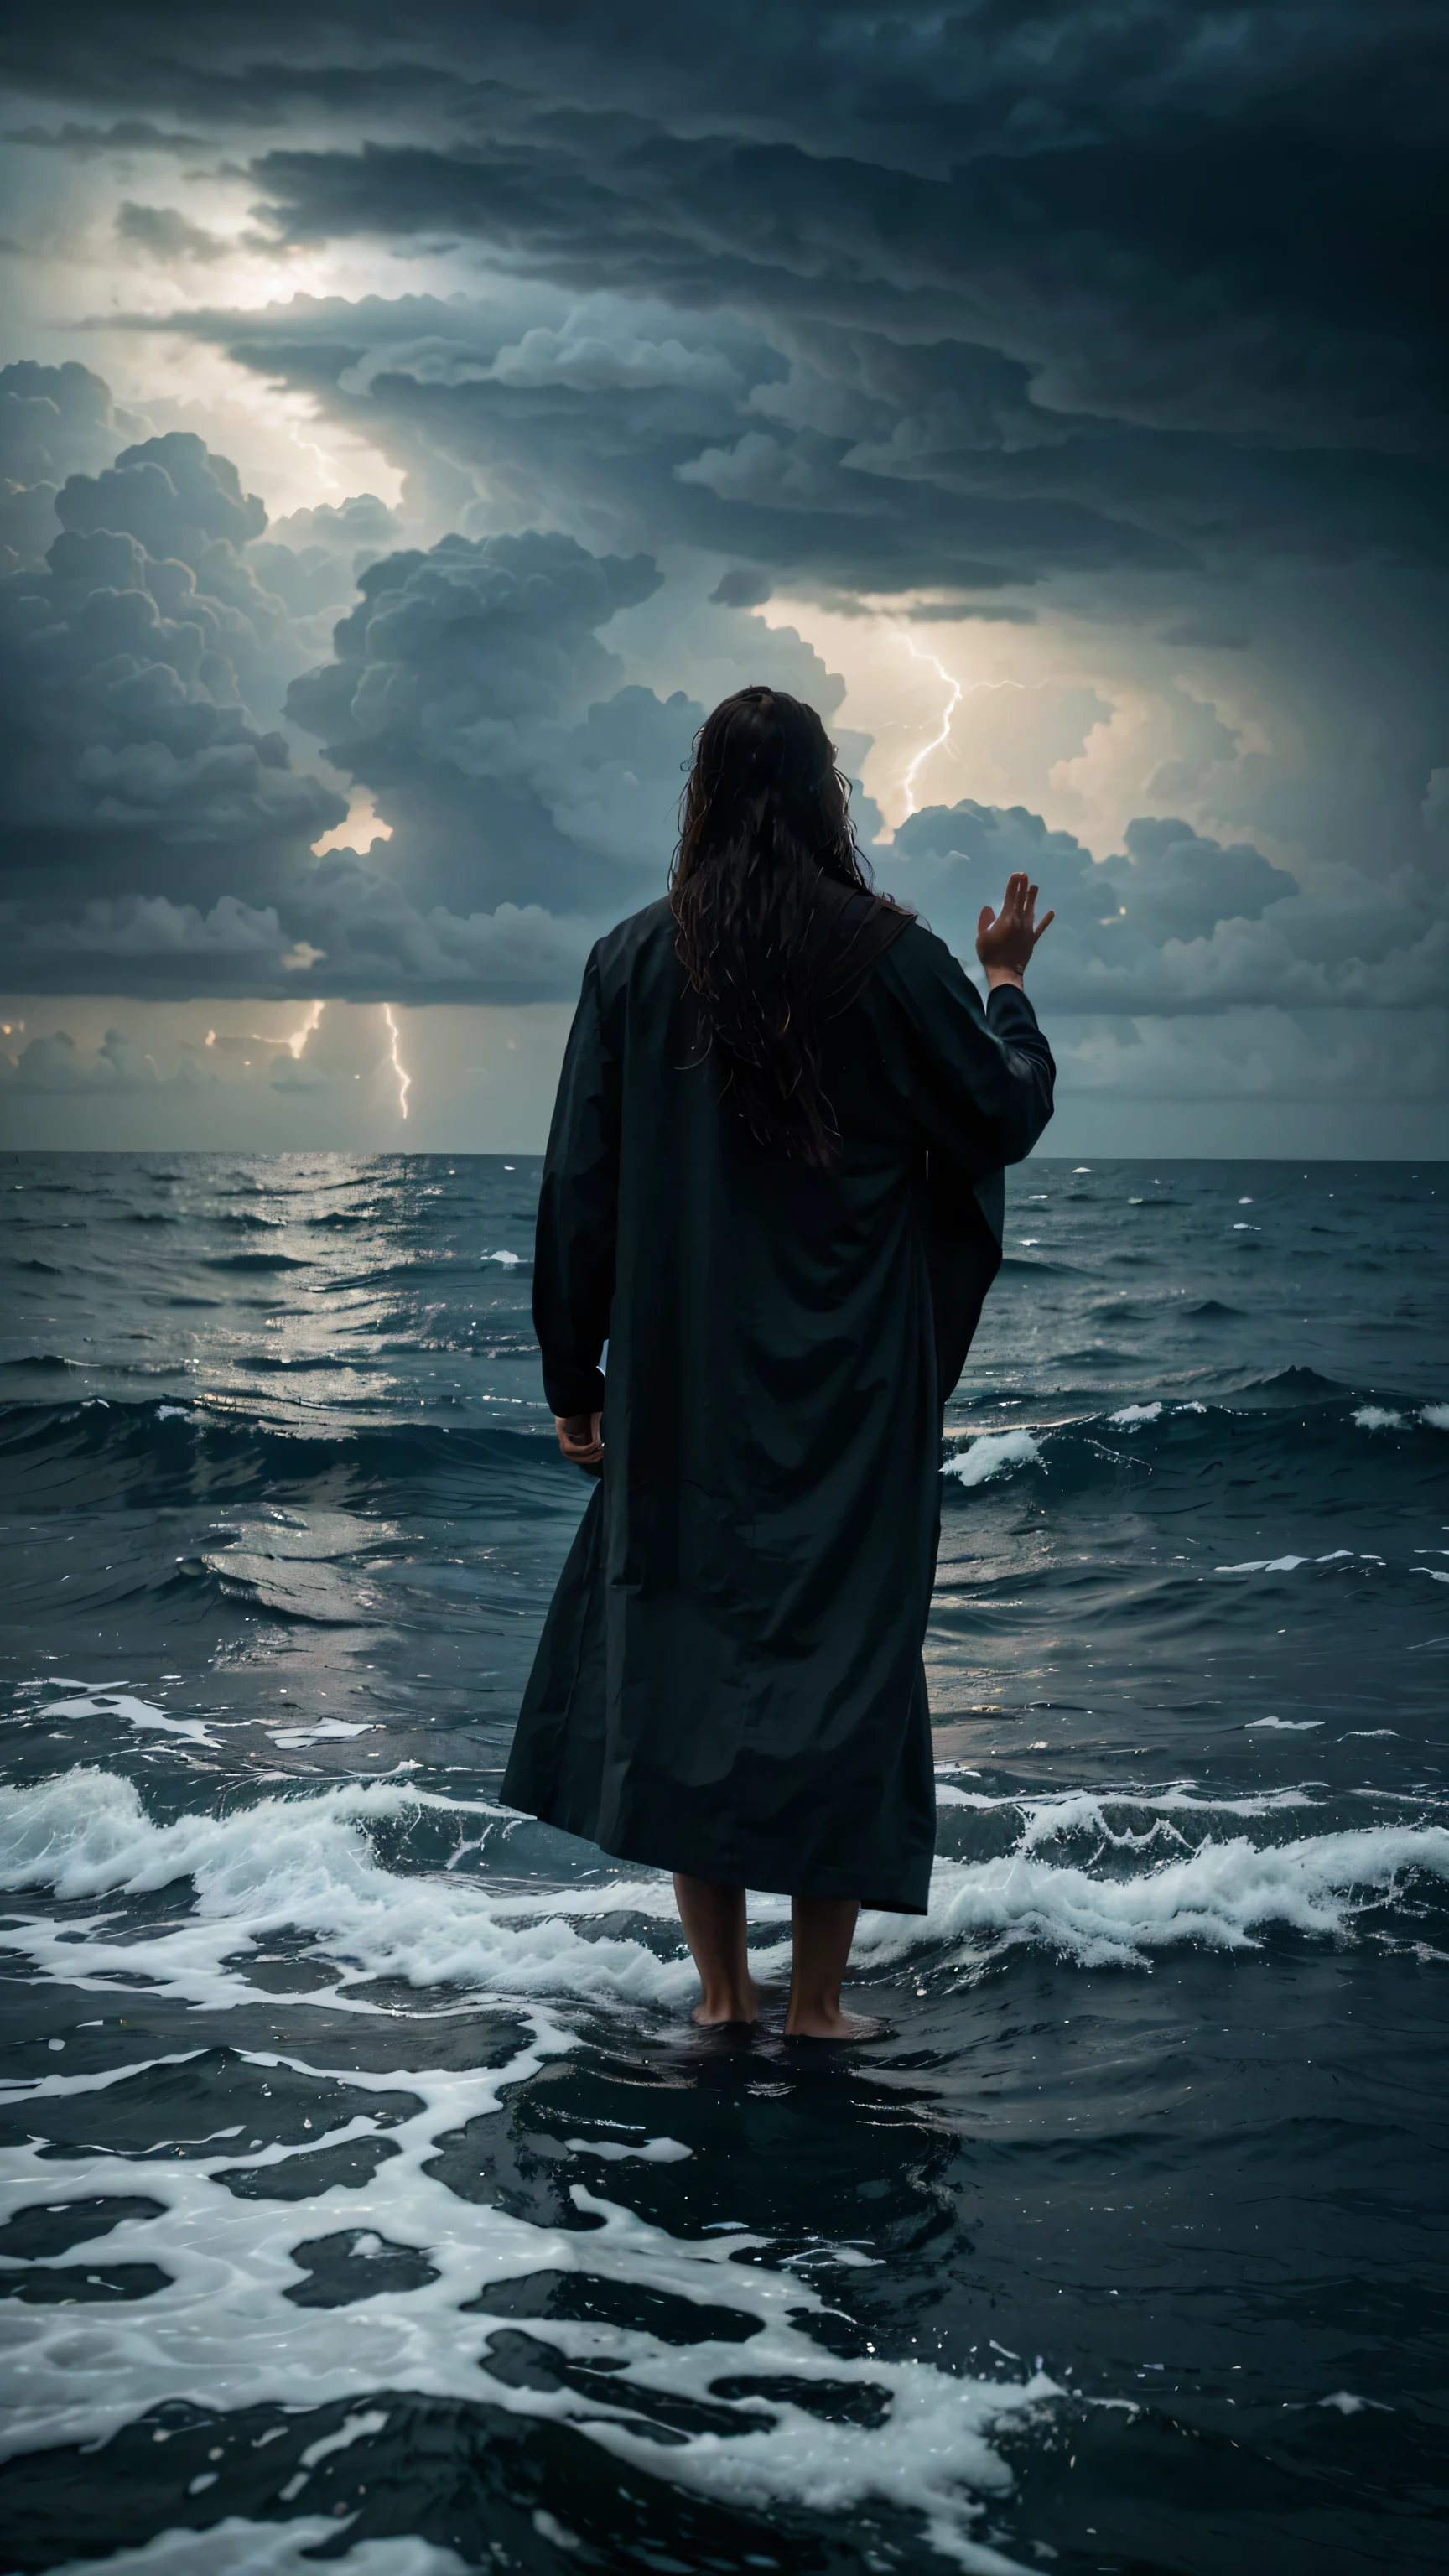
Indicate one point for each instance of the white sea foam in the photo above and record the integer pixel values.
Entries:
(993, 1453)
(223, 2330)
(1223, 1894)
(1435, 1417)
(1290, 1564)
(1285, 1725)
(308, 1862)
(103, 1699)
(326, 1730)
(1133, 1415)
(1378, 1417)
(1264, 1565)
(237, 2548)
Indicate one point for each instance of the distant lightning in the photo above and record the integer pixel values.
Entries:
(313, 1021)
(295, 1042)
(959, 690)
(404, 1078)
(952, 703)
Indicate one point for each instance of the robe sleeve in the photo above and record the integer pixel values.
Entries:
(578, 1212)
(977, 1086)
(978, 1081)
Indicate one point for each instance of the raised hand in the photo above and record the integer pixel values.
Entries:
(1005, 940)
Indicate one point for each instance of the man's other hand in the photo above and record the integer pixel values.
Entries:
(579, 1438)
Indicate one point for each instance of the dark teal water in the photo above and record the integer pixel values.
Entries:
(364, 2189)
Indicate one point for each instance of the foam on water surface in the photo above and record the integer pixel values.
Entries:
(1163, 2050)
(239, 2548)
(993, 1453)
(308, 1861)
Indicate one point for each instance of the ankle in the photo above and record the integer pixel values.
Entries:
(729, 1998)
(811, 2011)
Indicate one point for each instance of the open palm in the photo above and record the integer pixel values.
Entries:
(1005, 940)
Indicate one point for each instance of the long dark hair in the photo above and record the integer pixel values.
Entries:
(765, 815)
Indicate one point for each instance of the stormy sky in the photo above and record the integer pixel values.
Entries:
(411, 422)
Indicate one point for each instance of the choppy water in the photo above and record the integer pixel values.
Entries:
(363, 2186)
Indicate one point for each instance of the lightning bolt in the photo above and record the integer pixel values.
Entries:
(952, 703)
(404, 1078)
(298, 1038)
(313, 1020)
(959, 689)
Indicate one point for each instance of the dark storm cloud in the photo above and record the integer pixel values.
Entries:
(92, 142)
(135, 790)
(1138, 307)
(159, 842)
(672, 452)
(162, 233)
(468, 690)
(1072, 286)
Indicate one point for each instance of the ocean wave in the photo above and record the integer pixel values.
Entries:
(993, 1453)
(1296, 1383)
(310, 1862)
(165, 1444)
(169, 1443)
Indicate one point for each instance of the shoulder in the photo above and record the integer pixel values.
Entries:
(635, 942)
(918, 967)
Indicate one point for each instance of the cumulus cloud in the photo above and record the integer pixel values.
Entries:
(118, 1068)
(161, 843)
(131, 770)
(468, 692)
(1174, 922)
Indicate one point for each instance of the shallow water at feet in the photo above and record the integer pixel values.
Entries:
(364, 2188)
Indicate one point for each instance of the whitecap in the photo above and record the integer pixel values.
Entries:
(1132, 1415)
(993, 1453)
(1223, 1894)
(1435, 1417)
(1378, 1417)
(1285, 1725)
(290, 1861)
(1264, 1565)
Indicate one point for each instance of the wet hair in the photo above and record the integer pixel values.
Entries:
(765, 815)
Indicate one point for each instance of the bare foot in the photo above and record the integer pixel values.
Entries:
(713, 2010)
(818, 2023)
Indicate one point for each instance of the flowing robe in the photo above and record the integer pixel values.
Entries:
(729, 1680)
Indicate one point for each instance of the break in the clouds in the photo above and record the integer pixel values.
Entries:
(410, 428)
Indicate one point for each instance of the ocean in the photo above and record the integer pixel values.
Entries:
(367, 2197)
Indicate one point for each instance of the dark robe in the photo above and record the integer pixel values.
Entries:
(729, 1680)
